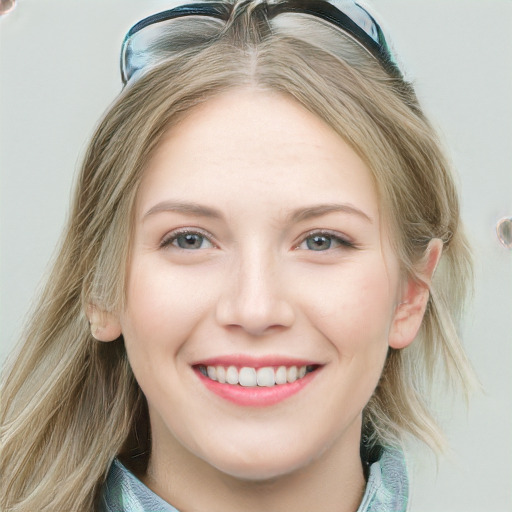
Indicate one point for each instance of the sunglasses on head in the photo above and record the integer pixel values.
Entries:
(143, 44)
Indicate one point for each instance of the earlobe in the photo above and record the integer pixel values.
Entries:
(414, 299)
(105, 326)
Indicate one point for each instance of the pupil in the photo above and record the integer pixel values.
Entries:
(319, 243)
(190, 241)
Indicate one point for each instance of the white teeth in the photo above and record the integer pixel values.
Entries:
(247, 377)
(281, 375)
(267, 376)
(212, 372)
(291, 374)
(221, 374)
(232, 375)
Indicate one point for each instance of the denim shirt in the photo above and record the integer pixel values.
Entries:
(386, 490)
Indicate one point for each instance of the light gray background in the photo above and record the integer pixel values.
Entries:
(59, 71)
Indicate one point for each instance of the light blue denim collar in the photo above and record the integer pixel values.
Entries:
(386, 490)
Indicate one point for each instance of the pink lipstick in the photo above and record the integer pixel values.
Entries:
(256, 382)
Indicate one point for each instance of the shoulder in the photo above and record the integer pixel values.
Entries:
(386, 491)
(124, 492)
(388, 484)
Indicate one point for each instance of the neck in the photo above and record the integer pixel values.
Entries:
(333, 482)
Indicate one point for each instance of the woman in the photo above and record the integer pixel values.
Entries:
(245, 312)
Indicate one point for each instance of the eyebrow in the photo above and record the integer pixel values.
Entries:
(297, 215)
(195, 209)
(310, 212)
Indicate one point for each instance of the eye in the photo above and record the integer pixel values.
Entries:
(323, 242)
(189, 240)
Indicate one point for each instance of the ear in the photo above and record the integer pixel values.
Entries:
(105, 326)
(414, 298)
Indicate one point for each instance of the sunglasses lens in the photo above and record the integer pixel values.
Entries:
(359, 16)
(158, 37)
(157, 42)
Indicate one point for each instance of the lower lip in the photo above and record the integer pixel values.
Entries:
(256, 396)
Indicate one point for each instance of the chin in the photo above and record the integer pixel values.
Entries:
(263, 468)
(261, 473)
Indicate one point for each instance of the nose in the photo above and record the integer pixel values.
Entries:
(255, 298)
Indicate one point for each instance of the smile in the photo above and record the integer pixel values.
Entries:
(255, 382)
(267, 376)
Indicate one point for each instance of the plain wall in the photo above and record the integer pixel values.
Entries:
(59, 71)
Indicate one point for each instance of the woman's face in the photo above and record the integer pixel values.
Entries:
(258, 254)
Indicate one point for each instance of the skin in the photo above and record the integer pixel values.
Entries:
(254, 286)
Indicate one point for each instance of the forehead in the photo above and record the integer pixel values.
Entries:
(258, 147)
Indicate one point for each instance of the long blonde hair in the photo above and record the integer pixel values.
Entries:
(71, 404)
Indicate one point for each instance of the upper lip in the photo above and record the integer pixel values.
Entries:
(242, 360)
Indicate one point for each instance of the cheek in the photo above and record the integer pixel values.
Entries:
(163, 308)
(352, 306)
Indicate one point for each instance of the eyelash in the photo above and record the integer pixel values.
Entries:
(333, 237)
(329, 235)
(174, 235)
